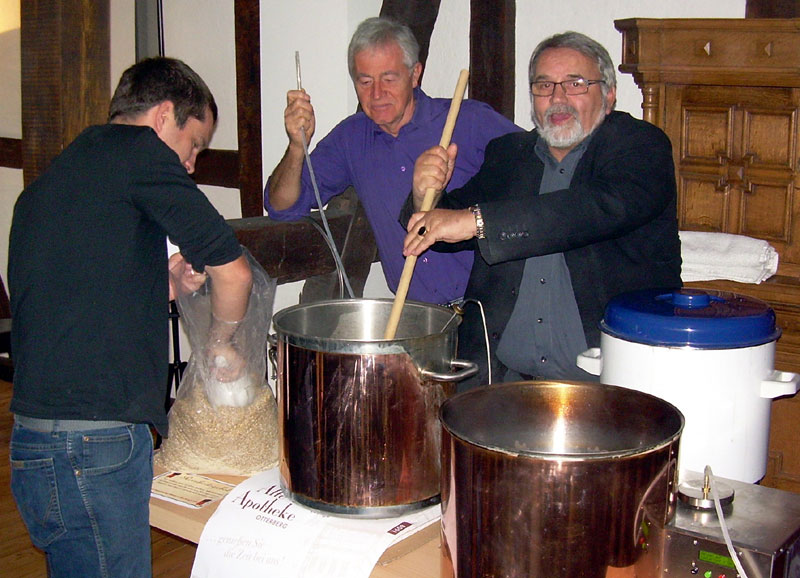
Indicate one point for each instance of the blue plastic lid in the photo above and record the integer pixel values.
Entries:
(690, 318)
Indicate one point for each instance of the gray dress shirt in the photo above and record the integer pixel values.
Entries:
(544, 335)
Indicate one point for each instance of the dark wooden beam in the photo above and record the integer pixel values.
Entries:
(291, 251)
(241, 169)
(248, 104)
(772, 9)
(491, 48)
(66, 81)
(11, 153)
(419, 16)
(219, 168)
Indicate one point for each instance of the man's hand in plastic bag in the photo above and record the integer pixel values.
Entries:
(224, 361)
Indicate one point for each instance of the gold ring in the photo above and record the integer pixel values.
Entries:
(422, 231)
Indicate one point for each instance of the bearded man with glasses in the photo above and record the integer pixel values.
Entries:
(562, 219)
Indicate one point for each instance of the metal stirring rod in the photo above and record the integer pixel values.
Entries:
(297, 69)
(336, 257)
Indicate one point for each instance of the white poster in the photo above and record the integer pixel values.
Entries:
(258, 532)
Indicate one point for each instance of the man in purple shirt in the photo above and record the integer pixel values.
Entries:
(374, 151)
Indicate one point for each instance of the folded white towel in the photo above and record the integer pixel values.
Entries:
(708, 256)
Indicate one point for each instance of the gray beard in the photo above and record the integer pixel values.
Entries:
(562, 137)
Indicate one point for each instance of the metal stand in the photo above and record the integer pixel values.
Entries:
(177, 367)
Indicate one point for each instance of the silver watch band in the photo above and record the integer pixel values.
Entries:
(480, 226)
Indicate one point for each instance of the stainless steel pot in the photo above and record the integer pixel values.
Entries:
(359, 414)
(553, 479)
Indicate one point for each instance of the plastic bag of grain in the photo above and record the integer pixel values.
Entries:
(217, 426)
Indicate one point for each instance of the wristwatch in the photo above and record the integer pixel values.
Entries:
(480, 233)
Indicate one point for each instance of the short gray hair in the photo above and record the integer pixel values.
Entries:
(377, 32)
(583, 44)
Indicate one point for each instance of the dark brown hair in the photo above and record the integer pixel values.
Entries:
(155, 80)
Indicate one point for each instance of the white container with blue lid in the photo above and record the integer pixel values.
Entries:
(710, 354)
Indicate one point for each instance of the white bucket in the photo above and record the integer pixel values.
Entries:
(725, 391)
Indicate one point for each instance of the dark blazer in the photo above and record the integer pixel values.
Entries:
(616, 225)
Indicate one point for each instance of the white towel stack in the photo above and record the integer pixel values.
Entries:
(708, 256)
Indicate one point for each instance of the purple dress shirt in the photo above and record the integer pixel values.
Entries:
(380, 167)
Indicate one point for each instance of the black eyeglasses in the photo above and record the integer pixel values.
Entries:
(571, 87)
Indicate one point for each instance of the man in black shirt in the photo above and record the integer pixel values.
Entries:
(89, 284)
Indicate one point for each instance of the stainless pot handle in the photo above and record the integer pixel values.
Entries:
(272, 353)
(468, 369)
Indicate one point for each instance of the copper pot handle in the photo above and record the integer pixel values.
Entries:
(272, 353)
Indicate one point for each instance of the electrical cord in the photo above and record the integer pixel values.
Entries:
(327, 233)
(722, 523)
(332, 248)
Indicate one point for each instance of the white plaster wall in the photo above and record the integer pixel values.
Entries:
(449, 49)
(10, 98)
(10, 117)
(123, 38)
(201, 33)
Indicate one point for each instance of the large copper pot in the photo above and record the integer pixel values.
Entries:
(554, 479)
(360, 434)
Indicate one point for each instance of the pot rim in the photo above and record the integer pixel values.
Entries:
(564, 456)
(376, 345)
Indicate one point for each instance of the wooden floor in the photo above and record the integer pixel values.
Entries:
(172, 557)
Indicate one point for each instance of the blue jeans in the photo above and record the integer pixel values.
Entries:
(84, 496)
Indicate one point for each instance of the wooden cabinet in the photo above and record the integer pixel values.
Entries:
(727, 92)
(735, 158)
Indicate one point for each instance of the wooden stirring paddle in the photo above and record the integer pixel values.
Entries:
(427, 205)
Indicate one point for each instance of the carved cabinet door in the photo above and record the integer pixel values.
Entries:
(736, 162)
